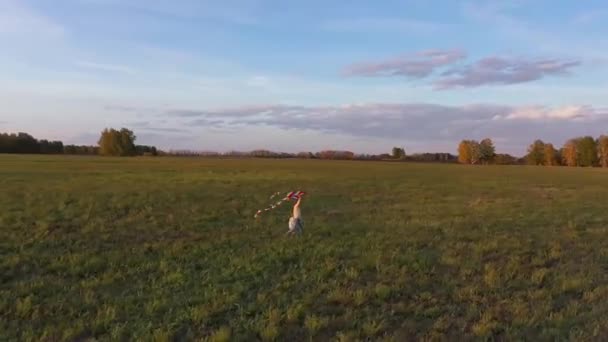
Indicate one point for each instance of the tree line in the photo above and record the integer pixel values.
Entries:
(25, 143)
(473, 152)
(121, 142)
(581, 151)
(111, 143)
(325, 154)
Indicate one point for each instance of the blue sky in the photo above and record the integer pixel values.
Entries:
(296, 76)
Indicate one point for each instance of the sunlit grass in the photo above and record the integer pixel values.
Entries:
(164, 249)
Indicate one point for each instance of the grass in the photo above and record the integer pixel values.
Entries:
(167, 249)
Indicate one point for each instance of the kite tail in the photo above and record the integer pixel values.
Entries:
(293, 195)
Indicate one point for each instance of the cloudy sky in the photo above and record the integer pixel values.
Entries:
(306, 75)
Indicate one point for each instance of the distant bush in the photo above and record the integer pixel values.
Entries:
(83, 150)
(142, 150)
(505, 159)
(337, 155)
(432, 157)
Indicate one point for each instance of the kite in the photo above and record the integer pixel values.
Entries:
(293, 195)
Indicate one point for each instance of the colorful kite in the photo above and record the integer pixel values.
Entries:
(293, 195)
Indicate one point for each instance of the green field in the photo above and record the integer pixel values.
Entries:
(167, 249)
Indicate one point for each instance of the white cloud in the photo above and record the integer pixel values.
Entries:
(421, 123)
(560, 113)
(417, 65)
(490, 70)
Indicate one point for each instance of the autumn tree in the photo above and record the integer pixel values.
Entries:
(587, 151)
(487, 152)
(117, 143)
(464, 152)
(569, 153)
(469, 152)
(536, 153)
(602, 150)
(550, 155)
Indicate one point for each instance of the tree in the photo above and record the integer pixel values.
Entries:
(475, 152)
(550, 155)
(127, 142)
(558, 157)
(50, 147)
(487, 152)
(569, 153)
(398, 153)
(602, 150)
(469, 152)
(143, 150)
(107, 144)
(25, 143)
(505, 159)
(587, 151)
(464, 152)
(117, 143)
(305, 155)
(536, 153)
(432, 157)
(18, 143)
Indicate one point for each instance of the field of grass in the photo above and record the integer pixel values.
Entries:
(167, 249)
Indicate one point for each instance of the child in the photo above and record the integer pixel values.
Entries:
(295, 221)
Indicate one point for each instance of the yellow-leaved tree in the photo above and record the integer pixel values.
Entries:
(469, 152)
(464, 152)
(550, 155)
(117, 143)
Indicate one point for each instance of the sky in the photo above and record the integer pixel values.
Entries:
(306, 75)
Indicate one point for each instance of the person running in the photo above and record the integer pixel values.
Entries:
(295, 221)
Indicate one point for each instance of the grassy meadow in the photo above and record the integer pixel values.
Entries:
(161, 249)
